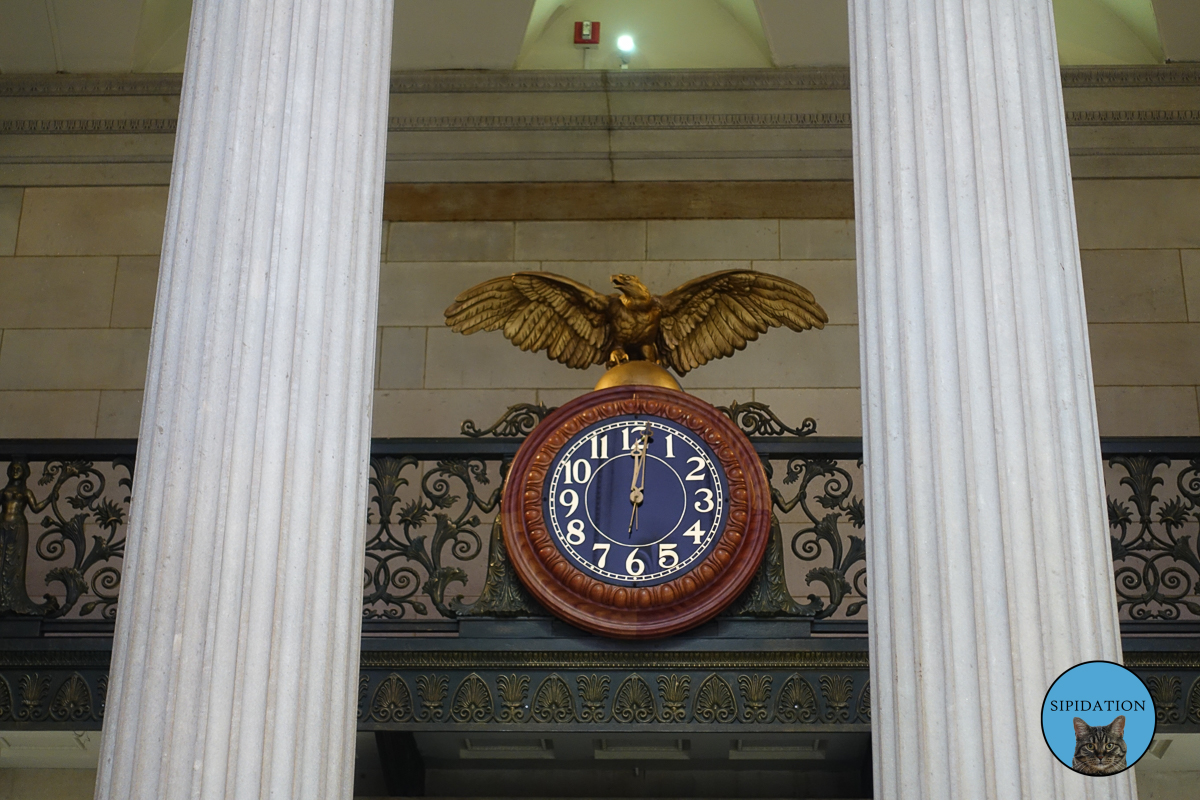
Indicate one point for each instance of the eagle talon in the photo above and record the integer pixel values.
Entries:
(617, 357)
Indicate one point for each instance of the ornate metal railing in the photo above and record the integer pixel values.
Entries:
(434, 552)
(1154, 516)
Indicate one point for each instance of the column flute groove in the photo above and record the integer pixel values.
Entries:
(989, 559)
(236, 649)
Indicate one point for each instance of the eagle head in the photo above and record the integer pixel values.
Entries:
(631, 287)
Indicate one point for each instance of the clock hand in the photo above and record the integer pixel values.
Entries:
(635, 492)
(638, 484)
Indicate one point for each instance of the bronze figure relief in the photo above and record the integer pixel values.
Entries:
(710, 317)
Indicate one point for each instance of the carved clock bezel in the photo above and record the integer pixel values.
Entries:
(636, 612)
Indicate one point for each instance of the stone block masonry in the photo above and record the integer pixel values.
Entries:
(77, 287)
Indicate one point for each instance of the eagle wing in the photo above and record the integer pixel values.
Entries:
(538, 311)
(718, 314)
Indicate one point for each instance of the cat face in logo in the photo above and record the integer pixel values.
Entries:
(1099, 750)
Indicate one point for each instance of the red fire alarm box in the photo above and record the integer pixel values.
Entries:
(587, 33)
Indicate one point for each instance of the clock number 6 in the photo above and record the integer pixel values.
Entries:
(705, 505)
(634, 565)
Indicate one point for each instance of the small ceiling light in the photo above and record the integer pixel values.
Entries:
(625, 43)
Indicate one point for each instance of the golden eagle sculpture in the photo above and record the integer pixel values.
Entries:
(703, 319)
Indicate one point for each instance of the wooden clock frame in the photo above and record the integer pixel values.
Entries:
(647, 611)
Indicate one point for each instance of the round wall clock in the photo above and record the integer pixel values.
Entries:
(636, 512)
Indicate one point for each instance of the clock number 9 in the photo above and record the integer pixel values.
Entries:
(569, 498)
(575, 531)
(705, 505)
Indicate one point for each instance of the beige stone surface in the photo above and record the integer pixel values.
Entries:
(1137, 213)
(782, 358)
(97, 220)
(56, 292)
(450, 241)
(74, 359)
(837, 412)
(120, 415)
(833, 283)
(420, 412)
(816, 238)
(10, 217)
(1166, 785)
(581, 241)
(1148, 411)
(1191, 282)
(133, 298)
(406, 164)
(1133, 286)
(488, 360)
(1149, 354)
(719, 396)
(401, 358)
(47, 784)
(155, 170)
(48, 415)
(712, 239)
(1146, 370)
(834, 164)
(417, 294)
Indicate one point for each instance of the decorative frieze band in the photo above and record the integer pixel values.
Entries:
(58, 127)
(640, 698)
(1138, 117)
(584, 122)
(697, 690)
(453, 82)
(89, 85)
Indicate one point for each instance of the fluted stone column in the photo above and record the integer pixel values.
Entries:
(988, 558)
(235, 662)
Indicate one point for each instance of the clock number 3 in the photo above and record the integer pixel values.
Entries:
(705, 505)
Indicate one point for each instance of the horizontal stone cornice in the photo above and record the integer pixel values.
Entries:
(585, 122)
(452, 82)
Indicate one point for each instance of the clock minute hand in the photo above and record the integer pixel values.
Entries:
(638, 484)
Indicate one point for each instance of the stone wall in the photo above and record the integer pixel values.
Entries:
(78, 267)
(84, 162)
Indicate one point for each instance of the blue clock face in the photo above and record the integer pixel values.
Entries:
(636, 500)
